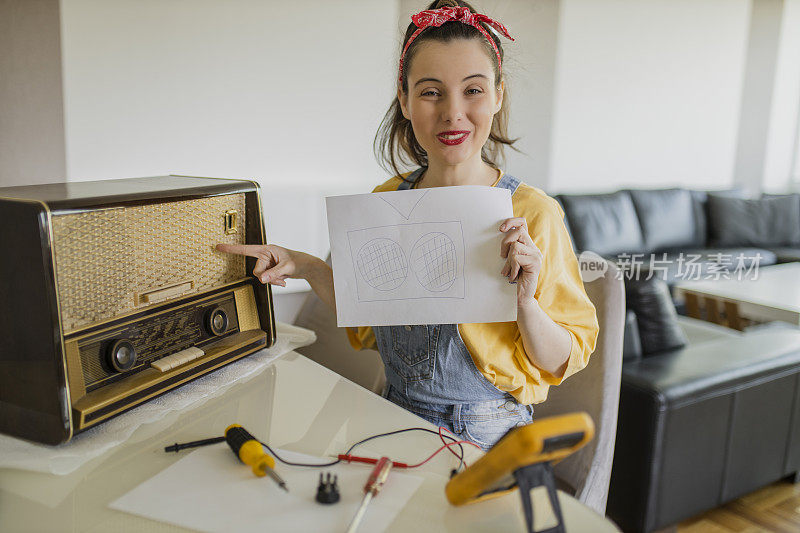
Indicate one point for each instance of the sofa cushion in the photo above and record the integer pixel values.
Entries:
(701, 207)
(699, 199)
(669, 218)
(753, 222)
(796, 198)
(794, 195)
(656, 318)
(786, 254)
(603, 223)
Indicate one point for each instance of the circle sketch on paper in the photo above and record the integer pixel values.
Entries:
(382, 263)
(433, 260)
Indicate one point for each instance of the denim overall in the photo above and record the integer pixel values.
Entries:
(430, 373)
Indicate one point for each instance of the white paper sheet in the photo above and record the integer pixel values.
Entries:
(426, 256)
(210, 490)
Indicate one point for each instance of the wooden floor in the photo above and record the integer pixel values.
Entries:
(773, 508)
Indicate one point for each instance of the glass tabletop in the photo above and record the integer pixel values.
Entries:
(294, 404)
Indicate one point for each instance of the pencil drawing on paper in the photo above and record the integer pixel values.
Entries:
(427, 256)
(404, 204)
(433, 260)
(382, 263)
(385, 257)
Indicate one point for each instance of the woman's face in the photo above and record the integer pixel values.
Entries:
(451, 99)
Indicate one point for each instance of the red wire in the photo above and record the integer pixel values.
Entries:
(442, 448)
(441, 437)
(354, 458)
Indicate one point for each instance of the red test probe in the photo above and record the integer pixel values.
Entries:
(373, 486)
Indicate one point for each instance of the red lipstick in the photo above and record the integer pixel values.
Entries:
(454, 137)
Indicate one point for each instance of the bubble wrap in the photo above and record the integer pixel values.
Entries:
(66, 458)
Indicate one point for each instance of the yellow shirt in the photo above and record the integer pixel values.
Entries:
(497, 348)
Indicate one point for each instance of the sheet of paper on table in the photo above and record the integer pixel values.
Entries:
(210, 490)
(422, 256)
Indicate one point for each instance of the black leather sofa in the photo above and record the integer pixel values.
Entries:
(705, 417)
(705, 423)
(716, 226)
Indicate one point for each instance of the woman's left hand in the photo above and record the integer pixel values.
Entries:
(523, 259)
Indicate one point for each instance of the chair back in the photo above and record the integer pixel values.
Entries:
(594, 390)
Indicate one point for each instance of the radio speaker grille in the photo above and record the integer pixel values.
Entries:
(111, 262)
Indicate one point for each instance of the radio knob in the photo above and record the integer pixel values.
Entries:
(121, 355)
(217, 321)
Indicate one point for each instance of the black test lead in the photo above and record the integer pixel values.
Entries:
(194, 444)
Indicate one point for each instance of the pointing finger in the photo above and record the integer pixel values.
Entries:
(253, 250)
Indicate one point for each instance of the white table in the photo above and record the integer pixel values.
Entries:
(294, 404)
(774, 294)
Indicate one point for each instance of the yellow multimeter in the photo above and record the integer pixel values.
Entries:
(523, 458)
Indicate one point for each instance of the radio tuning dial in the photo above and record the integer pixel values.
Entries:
(217, 321)
(121, 355)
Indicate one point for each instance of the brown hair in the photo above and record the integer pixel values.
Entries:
(395, 142)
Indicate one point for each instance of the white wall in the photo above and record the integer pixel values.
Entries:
(763, 47)
(783, 141)
(614, 93)
(288, 94)
(272, 89)
(647, 93)
(604, 93)
(31, 112)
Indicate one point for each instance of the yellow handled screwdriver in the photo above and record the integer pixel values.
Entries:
(250, 451)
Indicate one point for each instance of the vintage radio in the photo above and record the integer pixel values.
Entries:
(111, 293)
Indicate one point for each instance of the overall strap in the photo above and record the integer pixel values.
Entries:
(506, 182)
(406, 183)
(509, 182)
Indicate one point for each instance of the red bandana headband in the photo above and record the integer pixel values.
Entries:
(437, 17)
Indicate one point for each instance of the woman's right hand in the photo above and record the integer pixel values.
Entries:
(273, 263)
